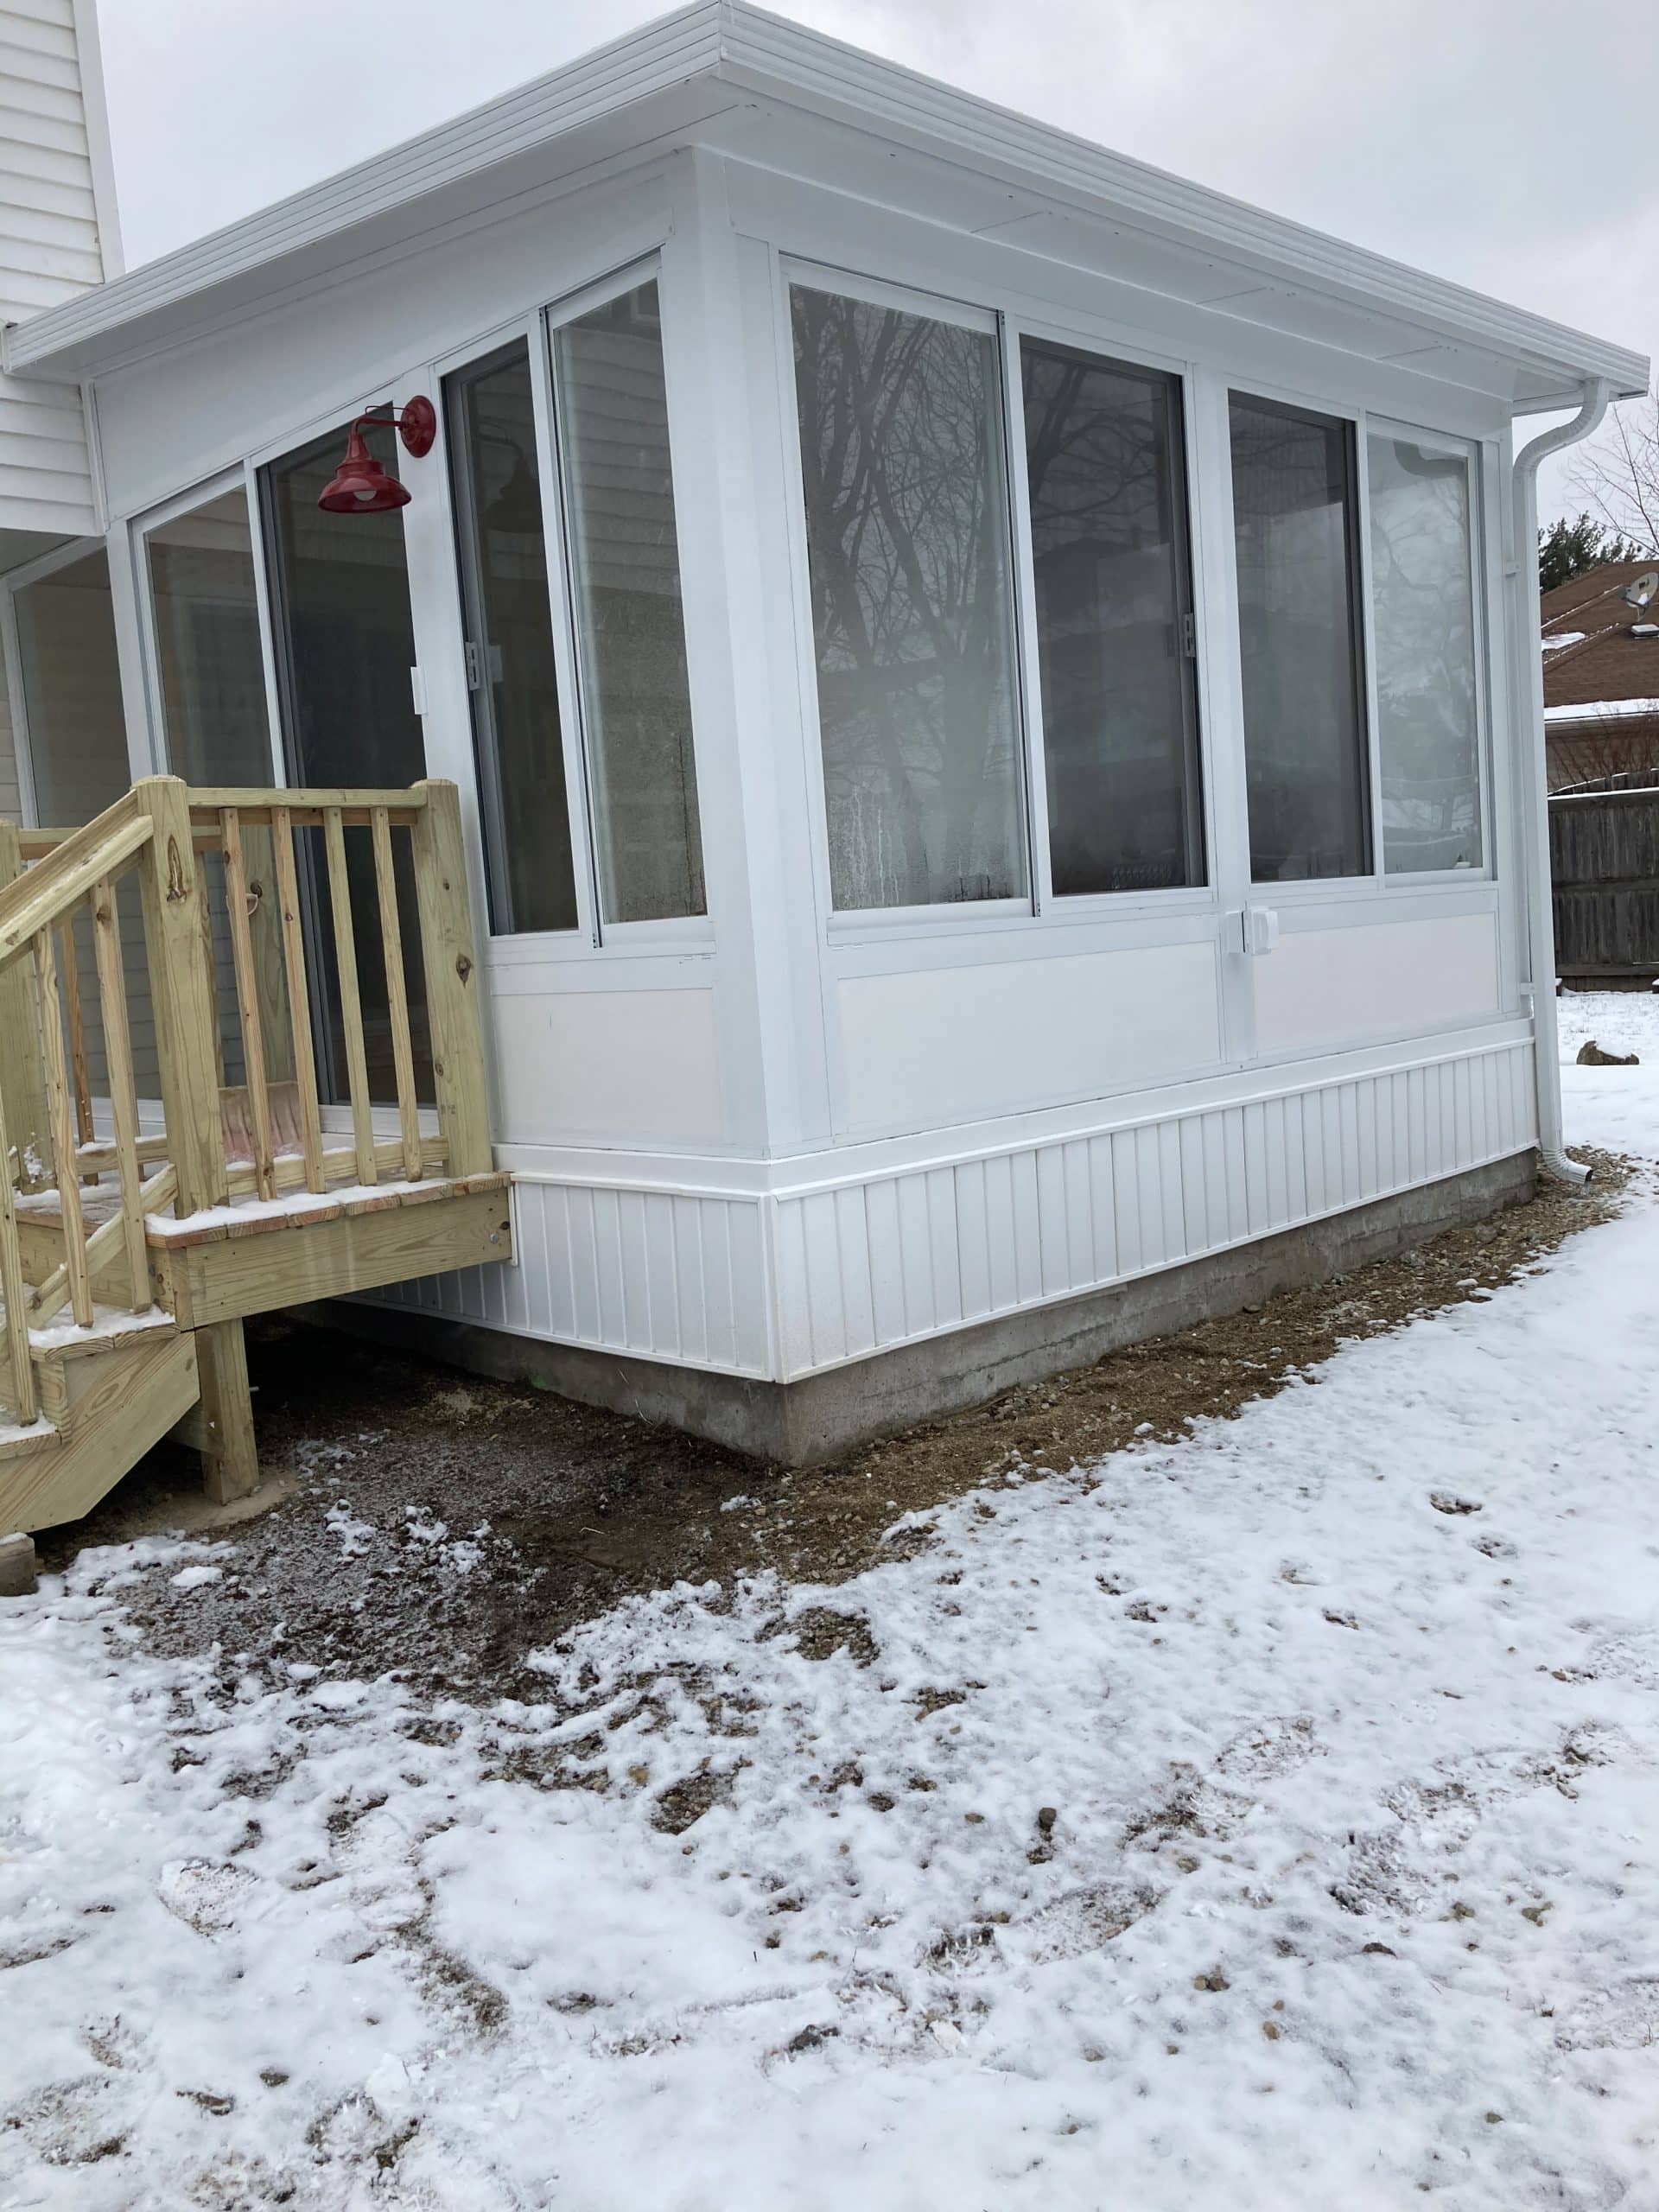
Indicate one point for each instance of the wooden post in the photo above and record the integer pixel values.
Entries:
(452, 984)
(230, 1456)
(182, 989)
(22, 1071)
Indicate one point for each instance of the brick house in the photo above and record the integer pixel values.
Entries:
(1601, 677)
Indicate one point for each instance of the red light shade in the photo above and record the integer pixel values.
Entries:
(359, 486)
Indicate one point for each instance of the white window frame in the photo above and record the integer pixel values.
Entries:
(1468, 450)
(678, 932)
(1375, 882)
(955, 918)
(531, 330)
(1105, 906)
(19, 579)
(241, 477)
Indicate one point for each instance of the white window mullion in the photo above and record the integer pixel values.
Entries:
(1368, 647)
(579, 793)
(1028, 672)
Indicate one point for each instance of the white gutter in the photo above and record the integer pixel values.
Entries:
(1527, 689)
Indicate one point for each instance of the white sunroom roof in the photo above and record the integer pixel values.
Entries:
(722, 72)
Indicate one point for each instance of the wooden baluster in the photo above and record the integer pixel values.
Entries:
(74, 1022)
(391, 939)
(247, 1002)
(265, 929)
(14, 1291)
(452, 984)
(299, 1003)
(351, 1002)
(123, 1089)
(63, 1132)
(22, 1071)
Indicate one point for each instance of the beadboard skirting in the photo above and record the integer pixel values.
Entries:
(832, 1264)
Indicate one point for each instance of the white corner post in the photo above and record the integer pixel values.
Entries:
(1526, 690)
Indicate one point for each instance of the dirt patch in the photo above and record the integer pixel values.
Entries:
(443, 1530)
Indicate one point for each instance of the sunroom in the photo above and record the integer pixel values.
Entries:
(988, 689)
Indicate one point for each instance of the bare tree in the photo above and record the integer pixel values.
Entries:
(1617, 474)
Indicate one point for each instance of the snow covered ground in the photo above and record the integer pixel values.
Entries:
(1267, 1819)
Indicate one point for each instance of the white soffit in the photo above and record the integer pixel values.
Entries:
(683, 79)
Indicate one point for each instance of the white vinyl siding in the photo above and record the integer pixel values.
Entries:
(50, 252)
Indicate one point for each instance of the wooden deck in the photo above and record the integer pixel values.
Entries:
(137, 1232)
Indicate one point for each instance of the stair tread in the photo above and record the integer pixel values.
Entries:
(18, 1437)
(305, 1209)
(112, 1324)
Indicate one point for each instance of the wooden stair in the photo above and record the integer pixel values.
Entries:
(107, 1396)
(160, 1241)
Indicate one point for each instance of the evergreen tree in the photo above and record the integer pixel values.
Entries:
(1568, 548)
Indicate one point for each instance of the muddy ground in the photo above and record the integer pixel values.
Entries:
(443, 1528)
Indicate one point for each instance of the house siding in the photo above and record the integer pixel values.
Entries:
(52, 249)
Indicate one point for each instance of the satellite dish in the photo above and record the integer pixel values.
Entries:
(1642, 590)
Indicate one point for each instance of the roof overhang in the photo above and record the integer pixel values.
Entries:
(701, 76)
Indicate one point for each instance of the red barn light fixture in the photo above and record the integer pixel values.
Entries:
(359, 486)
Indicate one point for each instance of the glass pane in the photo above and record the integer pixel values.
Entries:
(345, 645)
(515, 687)
(1103, 462)
(624, 558)
(906, 528)
(1293, 514)
(72, 689)
(78, 753)
(1423, 619)
(207, 643)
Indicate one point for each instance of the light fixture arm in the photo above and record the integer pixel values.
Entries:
(415, 423)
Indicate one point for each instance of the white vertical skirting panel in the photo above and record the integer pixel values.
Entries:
(664, 1275)
(786, 1284)
(925, 1250)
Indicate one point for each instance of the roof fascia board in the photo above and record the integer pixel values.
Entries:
(765, 55)
(629, 71)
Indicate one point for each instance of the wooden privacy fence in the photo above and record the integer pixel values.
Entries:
(87, 1146)
(1604, 859)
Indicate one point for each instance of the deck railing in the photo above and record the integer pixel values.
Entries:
(259, 882)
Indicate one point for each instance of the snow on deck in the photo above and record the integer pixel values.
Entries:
(1261, 1821)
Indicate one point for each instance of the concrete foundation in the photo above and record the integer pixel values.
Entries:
(805, 1422)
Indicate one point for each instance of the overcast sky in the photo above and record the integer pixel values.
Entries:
(1498, 141)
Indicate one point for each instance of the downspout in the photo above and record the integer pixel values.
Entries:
(1527, 689)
